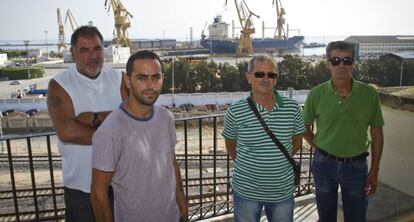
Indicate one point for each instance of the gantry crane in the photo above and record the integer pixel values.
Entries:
(122, 23)
(72, 20)
(245, 19)
(280, 20)
(61, 35)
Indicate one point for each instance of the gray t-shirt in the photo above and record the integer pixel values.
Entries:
(140, 152)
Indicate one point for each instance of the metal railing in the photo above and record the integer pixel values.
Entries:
(31, 186)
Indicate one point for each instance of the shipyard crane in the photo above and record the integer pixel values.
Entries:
(280, 20)
(72, 20)
(245, 19)
(61, 35)
(203, 36)
(122, 23)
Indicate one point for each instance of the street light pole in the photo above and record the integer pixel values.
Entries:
(211, 47)
(401, 71)
(26, 43)
(173, 85)
(47, 51)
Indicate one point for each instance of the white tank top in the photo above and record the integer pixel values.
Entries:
(87, 95)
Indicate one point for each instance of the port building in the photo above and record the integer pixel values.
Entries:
(372, 47)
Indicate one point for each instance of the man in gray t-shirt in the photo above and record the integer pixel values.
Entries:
(133, 150)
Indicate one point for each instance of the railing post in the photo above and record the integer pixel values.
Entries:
(52, 178)
(186, 158)
(13, 181)
(29, 150)
(228, 183)
(200, 158)
(214, 164)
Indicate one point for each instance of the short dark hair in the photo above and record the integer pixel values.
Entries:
(143, 54)
(261, 58)
(341, 45)
(86, 30)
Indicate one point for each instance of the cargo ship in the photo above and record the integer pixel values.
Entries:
(219, 42)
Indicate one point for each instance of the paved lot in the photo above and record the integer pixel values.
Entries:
(6, 89)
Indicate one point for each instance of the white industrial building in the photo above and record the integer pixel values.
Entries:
(67, 56)
(117, 54)
(372, 47)
(35, 53)
(3, 59)
(113, 53)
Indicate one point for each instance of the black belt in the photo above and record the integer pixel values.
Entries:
(343, 159)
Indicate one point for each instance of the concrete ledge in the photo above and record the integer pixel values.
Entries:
(398, 97)
(388, 204)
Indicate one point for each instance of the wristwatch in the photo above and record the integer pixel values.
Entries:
(96, 122)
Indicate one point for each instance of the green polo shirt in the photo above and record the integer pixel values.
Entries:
(342, 126)
(262, 172)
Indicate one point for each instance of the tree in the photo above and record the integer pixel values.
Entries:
(384, 72)
(229, 77)
(242, 69)
(291, 72)
(204, 73)
(318, 74)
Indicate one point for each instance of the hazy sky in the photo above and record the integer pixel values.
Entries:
(28, 19)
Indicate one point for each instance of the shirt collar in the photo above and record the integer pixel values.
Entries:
(356, 86)
(279, 99)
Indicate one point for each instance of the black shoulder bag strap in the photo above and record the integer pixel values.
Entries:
(295, 165)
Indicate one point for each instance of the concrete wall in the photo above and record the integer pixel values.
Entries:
(397, 164)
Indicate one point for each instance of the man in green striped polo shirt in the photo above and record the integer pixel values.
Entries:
(263, 177)
(343, 109)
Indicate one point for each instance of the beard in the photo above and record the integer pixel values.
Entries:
(145, 97)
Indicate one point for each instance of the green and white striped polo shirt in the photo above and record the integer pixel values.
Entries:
(262, 172)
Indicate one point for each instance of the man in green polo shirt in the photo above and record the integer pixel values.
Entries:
(263, 177)
(343, 109)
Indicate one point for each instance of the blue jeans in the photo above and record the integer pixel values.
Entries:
(250, 211)
(351, 176)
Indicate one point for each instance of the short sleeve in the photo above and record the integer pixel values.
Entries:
(105, 151)
(377, 119)
(230, 130)
(309, 111)
(299, 126)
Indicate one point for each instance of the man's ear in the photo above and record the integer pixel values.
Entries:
(248, 77)
(127, 80)
(72, 52)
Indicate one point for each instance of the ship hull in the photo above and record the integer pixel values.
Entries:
(259, 45)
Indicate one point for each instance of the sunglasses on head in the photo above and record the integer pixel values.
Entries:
(270, 75)
(346, 60)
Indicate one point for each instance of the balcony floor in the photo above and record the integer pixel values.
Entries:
(388, 205)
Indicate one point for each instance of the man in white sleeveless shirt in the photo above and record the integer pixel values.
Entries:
(78, 101)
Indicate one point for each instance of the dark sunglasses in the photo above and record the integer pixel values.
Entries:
(336, 61)
(270, 75)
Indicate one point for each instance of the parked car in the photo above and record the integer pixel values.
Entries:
(32, 112)
(186, 106)
(6, 112)
(15, 82)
